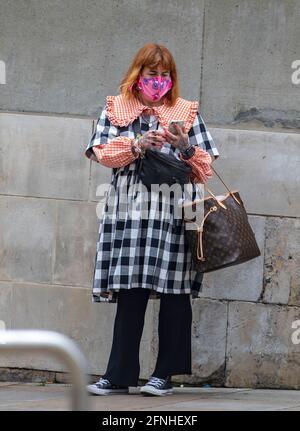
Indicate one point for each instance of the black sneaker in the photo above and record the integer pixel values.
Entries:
(104, 387)
(157, 386)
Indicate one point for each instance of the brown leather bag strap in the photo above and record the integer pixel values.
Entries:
(210, 192)
(219, 177)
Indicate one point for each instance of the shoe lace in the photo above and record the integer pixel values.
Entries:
(101, 380)
(156, 380)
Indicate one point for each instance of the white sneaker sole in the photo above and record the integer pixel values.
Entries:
(92, 389)
(150, 390)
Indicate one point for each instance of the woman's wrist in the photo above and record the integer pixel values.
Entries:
(136, 148)
(184, 146)
(188, 151)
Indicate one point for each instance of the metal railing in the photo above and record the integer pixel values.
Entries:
(55, 344)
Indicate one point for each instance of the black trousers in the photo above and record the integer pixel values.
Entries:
(174, 331)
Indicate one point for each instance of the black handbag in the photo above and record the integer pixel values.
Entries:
(159, 168)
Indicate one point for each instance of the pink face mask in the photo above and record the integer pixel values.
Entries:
(154, 88)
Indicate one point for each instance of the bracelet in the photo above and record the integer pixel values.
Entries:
(136, 149)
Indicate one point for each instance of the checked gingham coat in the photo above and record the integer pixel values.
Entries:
(144, 252)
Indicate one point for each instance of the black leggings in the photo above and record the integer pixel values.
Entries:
(174, 330)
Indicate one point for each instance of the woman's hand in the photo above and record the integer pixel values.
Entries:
(180, 141)
(152, 139)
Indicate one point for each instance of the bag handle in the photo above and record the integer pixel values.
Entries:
(234, 197)
(212, 194)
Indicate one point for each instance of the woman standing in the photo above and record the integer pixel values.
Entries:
(140, 258)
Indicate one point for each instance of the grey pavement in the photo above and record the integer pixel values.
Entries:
(36, 396)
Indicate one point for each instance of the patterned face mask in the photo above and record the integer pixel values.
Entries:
(154, 88)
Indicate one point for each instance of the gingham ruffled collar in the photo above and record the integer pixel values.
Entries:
(122, 112)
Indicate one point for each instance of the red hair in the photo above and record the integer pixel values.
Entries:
(150, 55)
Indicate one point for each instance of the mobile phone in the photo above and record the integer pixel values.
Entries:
(172, 128)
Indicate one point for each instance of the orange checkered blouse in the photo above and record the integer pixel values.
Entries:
(119, 113)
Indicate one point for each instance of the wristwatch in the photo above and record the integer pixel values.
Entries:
(189, 152)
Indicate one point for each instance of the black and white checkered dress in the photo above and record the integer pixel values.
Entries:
(142, 252)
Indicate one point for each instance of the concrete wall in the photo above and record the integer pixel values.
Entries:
(233, 55)
(62, 58)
